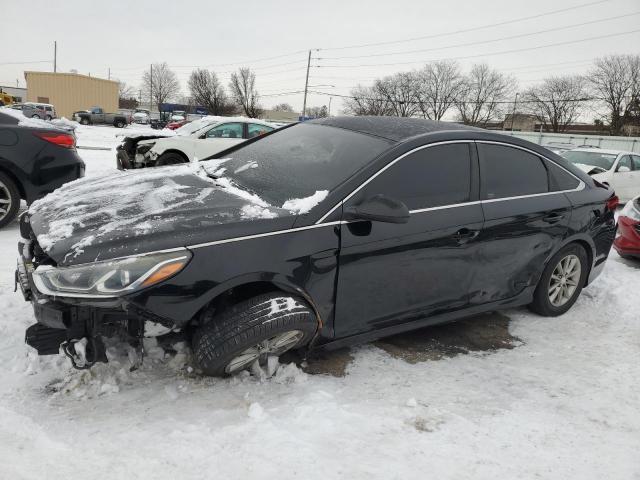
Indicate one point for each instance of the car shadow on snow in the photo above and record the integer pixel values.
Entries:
(486, 332)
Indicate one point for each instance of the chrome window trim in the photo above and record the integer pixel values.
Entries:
(581, 184)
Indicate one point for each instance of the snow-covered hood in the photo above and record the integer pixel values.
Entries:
(590, 169)
(142, 211)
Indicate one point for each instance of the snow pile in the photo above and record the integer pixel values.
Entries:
(304, 205)
(256, 211)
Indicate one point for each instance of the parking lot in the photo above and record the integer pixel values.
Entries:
(501, 395)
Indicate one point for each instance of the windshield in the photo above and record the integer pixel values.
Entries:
(301, 161)
(596, 159)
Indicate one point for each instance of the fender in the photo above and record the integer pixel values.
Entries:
(279, 280)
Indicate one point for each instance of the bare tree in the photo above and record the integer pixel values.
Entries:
(207, 91)
(162, 86)
(483, 92)
(283, 107)
(125, 91)
(400, 91)
(615, 79)
(364, 101)
(317, 112)
(556, 102)
(244, 93)
(439, 85)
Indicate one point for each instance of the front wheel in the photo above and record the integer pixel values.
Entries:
(249, 334)
(170, 158)
(561, 281)
(84, 121)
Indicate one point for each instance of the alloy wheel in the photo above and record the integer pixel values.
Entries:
(259, 354)
(564, 280)
(5, 200)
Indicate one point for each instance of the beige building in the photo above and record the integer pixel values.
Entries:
(70, 92)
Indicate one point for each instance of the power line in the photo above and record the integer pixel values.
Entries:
(415, 102)
(538, 47)
(510, 37)
(472, 29)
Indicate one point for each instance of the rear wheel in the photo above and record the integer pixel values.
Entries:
(119, 124)
(35, 116)
(9, 200)
(561, 281)
(84, 121)
(170, 158)
(253, 333)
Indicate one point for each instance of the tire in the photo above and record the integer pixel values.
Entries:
(248, 327)
(119, 124)
(84, 121)
(9, 200)
(35, 116)
(554, 297)
(48, 117)
(170, 158)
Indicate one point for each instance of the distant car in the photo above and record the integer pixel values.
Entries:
(177, 124)
(97, 116)
(49, 110)
(619, 169)
(199, 139)
(140, 115)
(559, 147)
(178, 116)
(627, 242)
(33, 161)
(31, 110)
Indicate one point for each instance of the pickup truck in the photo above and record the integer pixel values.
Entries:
(97, 116)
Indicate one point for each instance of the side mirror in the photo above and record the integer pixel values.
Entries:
(623, 169)
(379, 208)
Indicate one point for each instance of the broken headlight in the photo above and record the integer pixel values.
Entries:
(110, 278)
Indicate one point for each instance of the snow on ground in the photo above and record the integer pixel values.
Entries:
(564, 402)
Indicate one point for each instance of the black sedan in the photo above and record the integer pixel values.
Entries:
(318, 235)
(35, 159)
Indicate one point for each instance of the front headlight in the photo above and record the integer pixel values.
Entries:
(111, 278)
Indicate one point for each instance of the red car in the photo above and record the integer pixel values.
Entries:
(627, 242)
(178, 124)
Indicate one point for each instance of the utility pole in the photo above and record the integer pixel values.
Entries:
(109, 73)
(151, 89)
(306, 86)
(55, 56)
(329, 109)
(513, 114)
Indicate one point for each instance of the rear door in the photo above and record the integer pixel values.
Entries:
(526, 218)
(395, 273)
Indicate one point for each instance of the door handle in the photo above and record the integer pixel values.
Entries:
(553, 218)
(465, 235)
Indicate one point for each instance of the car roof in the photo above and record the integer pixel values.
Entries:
(608, 152)
(396, 129)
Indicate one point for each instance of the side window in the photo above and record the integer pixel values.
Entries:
(510, 172)
(256, 130)
(430, 177)
(625, 162)
(636, 162)
(226, 130)
(560, 179)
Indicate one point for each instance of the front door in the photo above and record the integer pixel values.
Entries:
(219, 138)
(395, 273)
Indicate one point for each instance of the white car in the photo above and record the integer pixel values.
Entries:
(198, 139)
(618, 169)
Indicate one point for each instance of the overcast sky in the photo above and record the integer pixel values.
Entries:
(127, 36)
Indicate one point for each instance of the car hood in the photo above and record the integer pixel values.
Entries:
(137, 212)
(590, 169)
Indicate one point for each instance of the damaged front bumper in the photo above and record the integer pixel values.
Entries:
(62, 323)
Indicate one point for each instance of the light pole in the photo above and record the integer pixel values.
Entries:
(513, 114)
